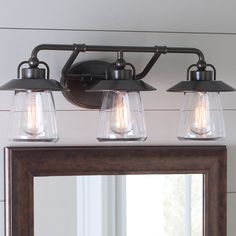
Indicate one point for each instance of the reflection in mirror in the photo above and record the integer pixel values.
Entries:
(165, 205)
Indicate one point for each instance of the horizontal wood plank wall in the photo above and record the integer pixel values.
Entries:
(182, 15)
(19, 35)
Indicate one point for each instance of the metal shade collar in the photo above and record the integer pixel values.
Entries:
(118, 78)
(201, 75)
(201, 80)
(32, 78)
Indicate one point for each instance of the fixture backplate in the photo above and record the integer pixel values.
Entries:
(76, 87)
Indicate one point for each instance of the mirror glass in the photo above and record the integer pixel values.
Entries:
(131, 205)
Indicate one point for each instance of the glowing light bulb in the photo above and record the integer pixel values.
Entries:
(201, 119)
(121, 115)
(32, 119)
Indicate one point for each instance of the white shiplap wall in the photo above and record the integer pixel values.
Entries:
(25, 24)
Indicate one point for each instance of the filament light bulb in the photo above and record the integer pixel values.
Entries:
(201, 118)
(32, 119)
(121, 114)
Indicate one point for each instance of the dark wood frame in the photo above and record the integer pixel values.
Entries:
(22, 164)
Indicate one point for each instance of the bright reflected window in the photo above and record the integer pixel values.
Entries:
(131, 205)
(166, 205)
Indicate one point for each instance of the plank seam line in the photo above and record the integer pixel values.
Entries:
(146, 110)
(119, 31)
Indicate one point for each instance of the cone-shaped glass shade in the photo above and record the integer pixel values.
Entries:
(33, 117)
(121, 117)
(201, 117)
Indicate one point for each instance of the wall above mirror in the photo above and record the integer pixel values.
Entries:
(23, 164)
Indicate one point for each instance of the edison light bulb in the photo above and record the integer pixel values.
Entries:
(32, 119)
(121, 114)
(201, 119)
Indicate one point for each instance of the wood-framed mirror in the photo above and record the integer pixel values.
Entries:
(23, 164)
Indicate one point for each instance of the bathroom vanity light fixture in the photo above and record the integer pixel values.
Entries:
(33, 114)
(114, 88)
(201, 117)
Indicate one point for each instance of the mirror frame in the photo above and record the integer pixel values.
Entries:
(22, 164)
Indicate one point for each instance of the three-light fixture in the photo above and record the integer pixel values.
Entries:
(115, 89)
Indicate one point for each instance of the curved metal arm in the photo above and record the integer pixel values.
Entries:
(19, 66)
(58, 47)
(102, 48)
(77, 48)
(68, 64)
(149, 66)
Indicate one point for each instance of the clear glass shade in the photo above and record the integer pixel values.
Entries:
(201, 117)
(33, 117)
(121, 117)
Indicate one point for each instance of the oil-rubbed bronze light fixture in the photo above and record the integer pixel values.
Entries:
(202, 115)
(114, 88)
(121, 115)
(33, 114)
